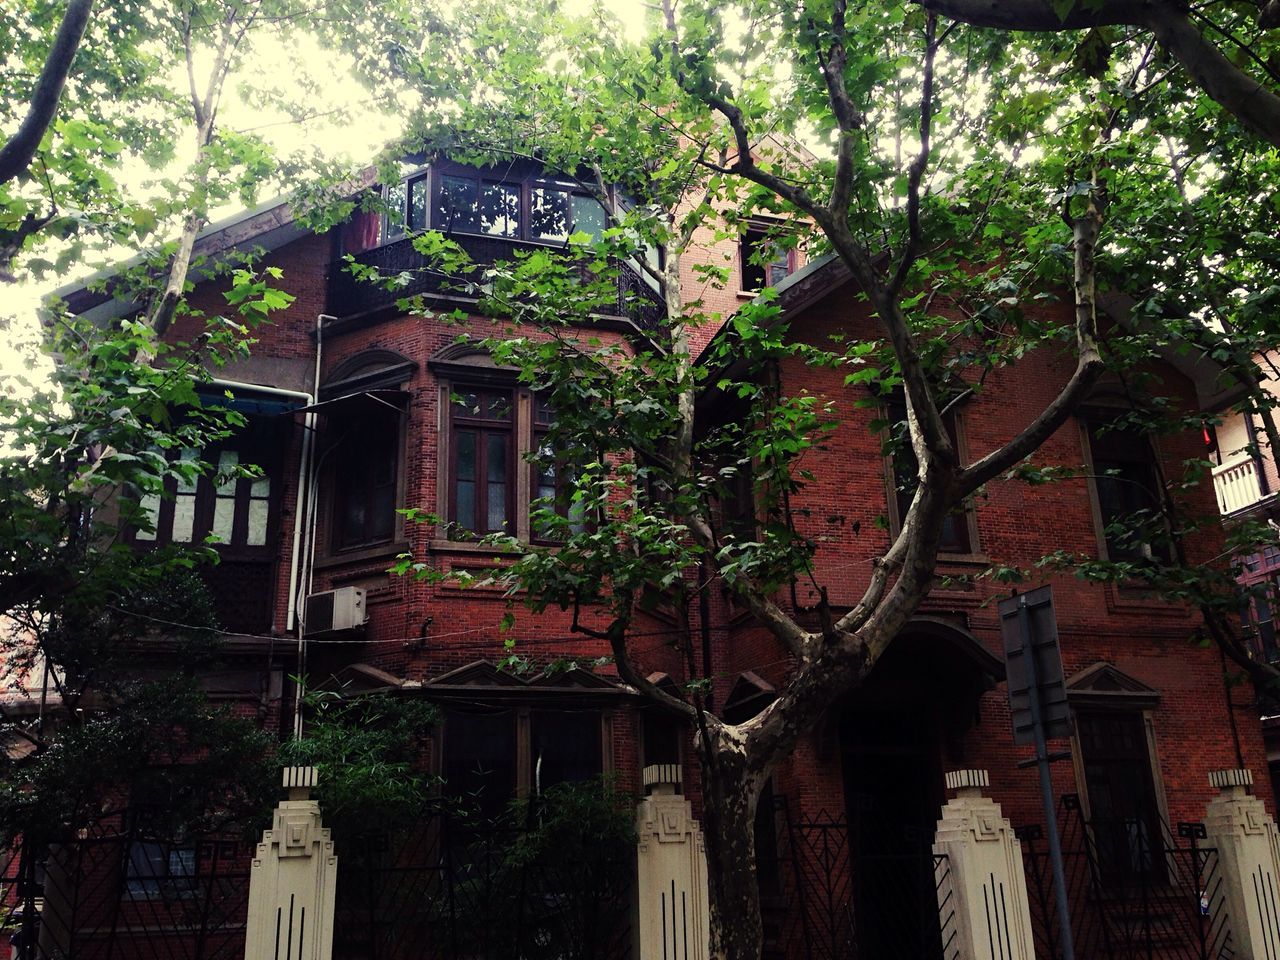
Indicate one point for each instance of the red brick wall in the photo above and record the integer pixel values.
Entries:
(1016, 524)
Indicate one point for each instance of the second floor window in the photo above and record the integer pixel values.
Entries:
(765, 262)
(366, 478)
(1127, 487)
(553, 474)
(481, 467)
(235, 511)
(957, 534)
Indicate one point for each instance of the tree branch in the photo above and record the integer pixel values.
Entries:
(1087, 229)
(1257, 107)
(16, 154)
(916, 171)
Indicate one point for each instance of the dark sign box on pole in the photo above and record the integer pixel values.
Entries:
(1042, 643)
(1038, 704)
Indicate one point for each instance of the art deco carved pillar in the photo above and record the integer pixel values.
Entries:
(672, 913)
(293, 880)
(1248, 864)
(982, 889)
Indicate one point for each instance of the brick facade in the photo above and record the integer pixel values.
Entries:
(418, 632)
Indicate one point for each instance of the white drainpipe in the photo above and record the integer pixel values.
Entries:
(308, 573)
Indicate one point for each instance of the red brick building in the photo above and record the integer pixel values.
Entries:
(358, 410)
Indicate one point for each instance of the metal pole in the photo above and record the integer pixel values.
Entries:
(1046, 783)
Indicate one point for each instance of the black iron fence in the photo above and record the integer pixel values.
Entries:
(447, 888)
(545, 887)
(111, 893)
(632, 297)
(822, 903)
(1137, 890)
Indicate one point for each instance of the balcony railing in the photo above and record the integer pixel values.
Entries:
(1236, 485)
(635, 299)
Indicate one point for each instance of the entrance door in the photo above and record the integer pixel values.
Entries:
(893, 792)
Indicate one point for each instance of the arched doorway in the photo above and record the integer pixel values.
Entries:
(898, 733)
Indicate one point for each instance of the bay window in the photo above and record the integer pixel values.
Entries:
(235, 511)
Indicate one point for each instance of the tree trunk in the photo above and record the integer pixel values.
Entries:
(730, 792)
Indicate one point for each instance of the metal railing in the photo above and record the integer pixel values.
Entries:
(115, 894)
(836, 906)
(1136, 889)
(633, 298)
(445, 888)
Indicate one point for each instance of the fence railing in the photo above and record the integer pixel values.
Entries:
(1236, 485)
(632, 297)
(831, 907)
(446, 888)
(1136, 889)
(117, 894)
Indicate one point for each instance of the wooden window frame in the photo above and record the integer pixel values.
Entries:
(966, 511)
(1086, 423)
(206, 495)
(484, 427)
(756, 232)
(339, 544)
(391, 231)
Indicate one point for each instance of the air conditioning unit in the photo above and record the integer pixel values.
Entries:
(334, 610)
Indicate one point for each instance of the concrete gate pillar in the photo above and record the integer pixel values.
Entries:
(293, 880)
(672, 916)
(981, 884)
(1248, 865)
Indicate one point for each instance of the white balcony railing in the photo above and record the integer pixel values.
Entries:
(1236, 485)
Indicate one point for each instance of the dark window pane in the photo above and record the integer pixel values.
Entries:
(498, 406)
(458, 203)
(548, 214)
(496, 459)
(396, 196)
(500, 210)
(565, 748)
(1127, 488)
(367, 467)
(466, 453)
(480, 760)
(417, 213)
(588, 216)
(763, 261)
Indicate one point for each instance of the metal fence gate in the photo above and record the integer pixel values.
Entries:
(1137, 890)
(448, 889)
(116, 894)
(821, 903)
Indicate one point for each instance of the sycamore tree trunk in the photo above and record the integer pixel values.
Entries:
(730, 793)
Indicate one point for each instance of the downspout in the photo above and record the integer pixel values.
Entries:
(306, 573)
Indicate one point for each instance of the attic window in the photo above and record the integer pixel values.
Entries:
(765, 262)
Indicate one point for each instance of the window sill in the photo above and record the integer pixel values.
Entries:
(377, 551)
(466, 546)
(963, 559)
